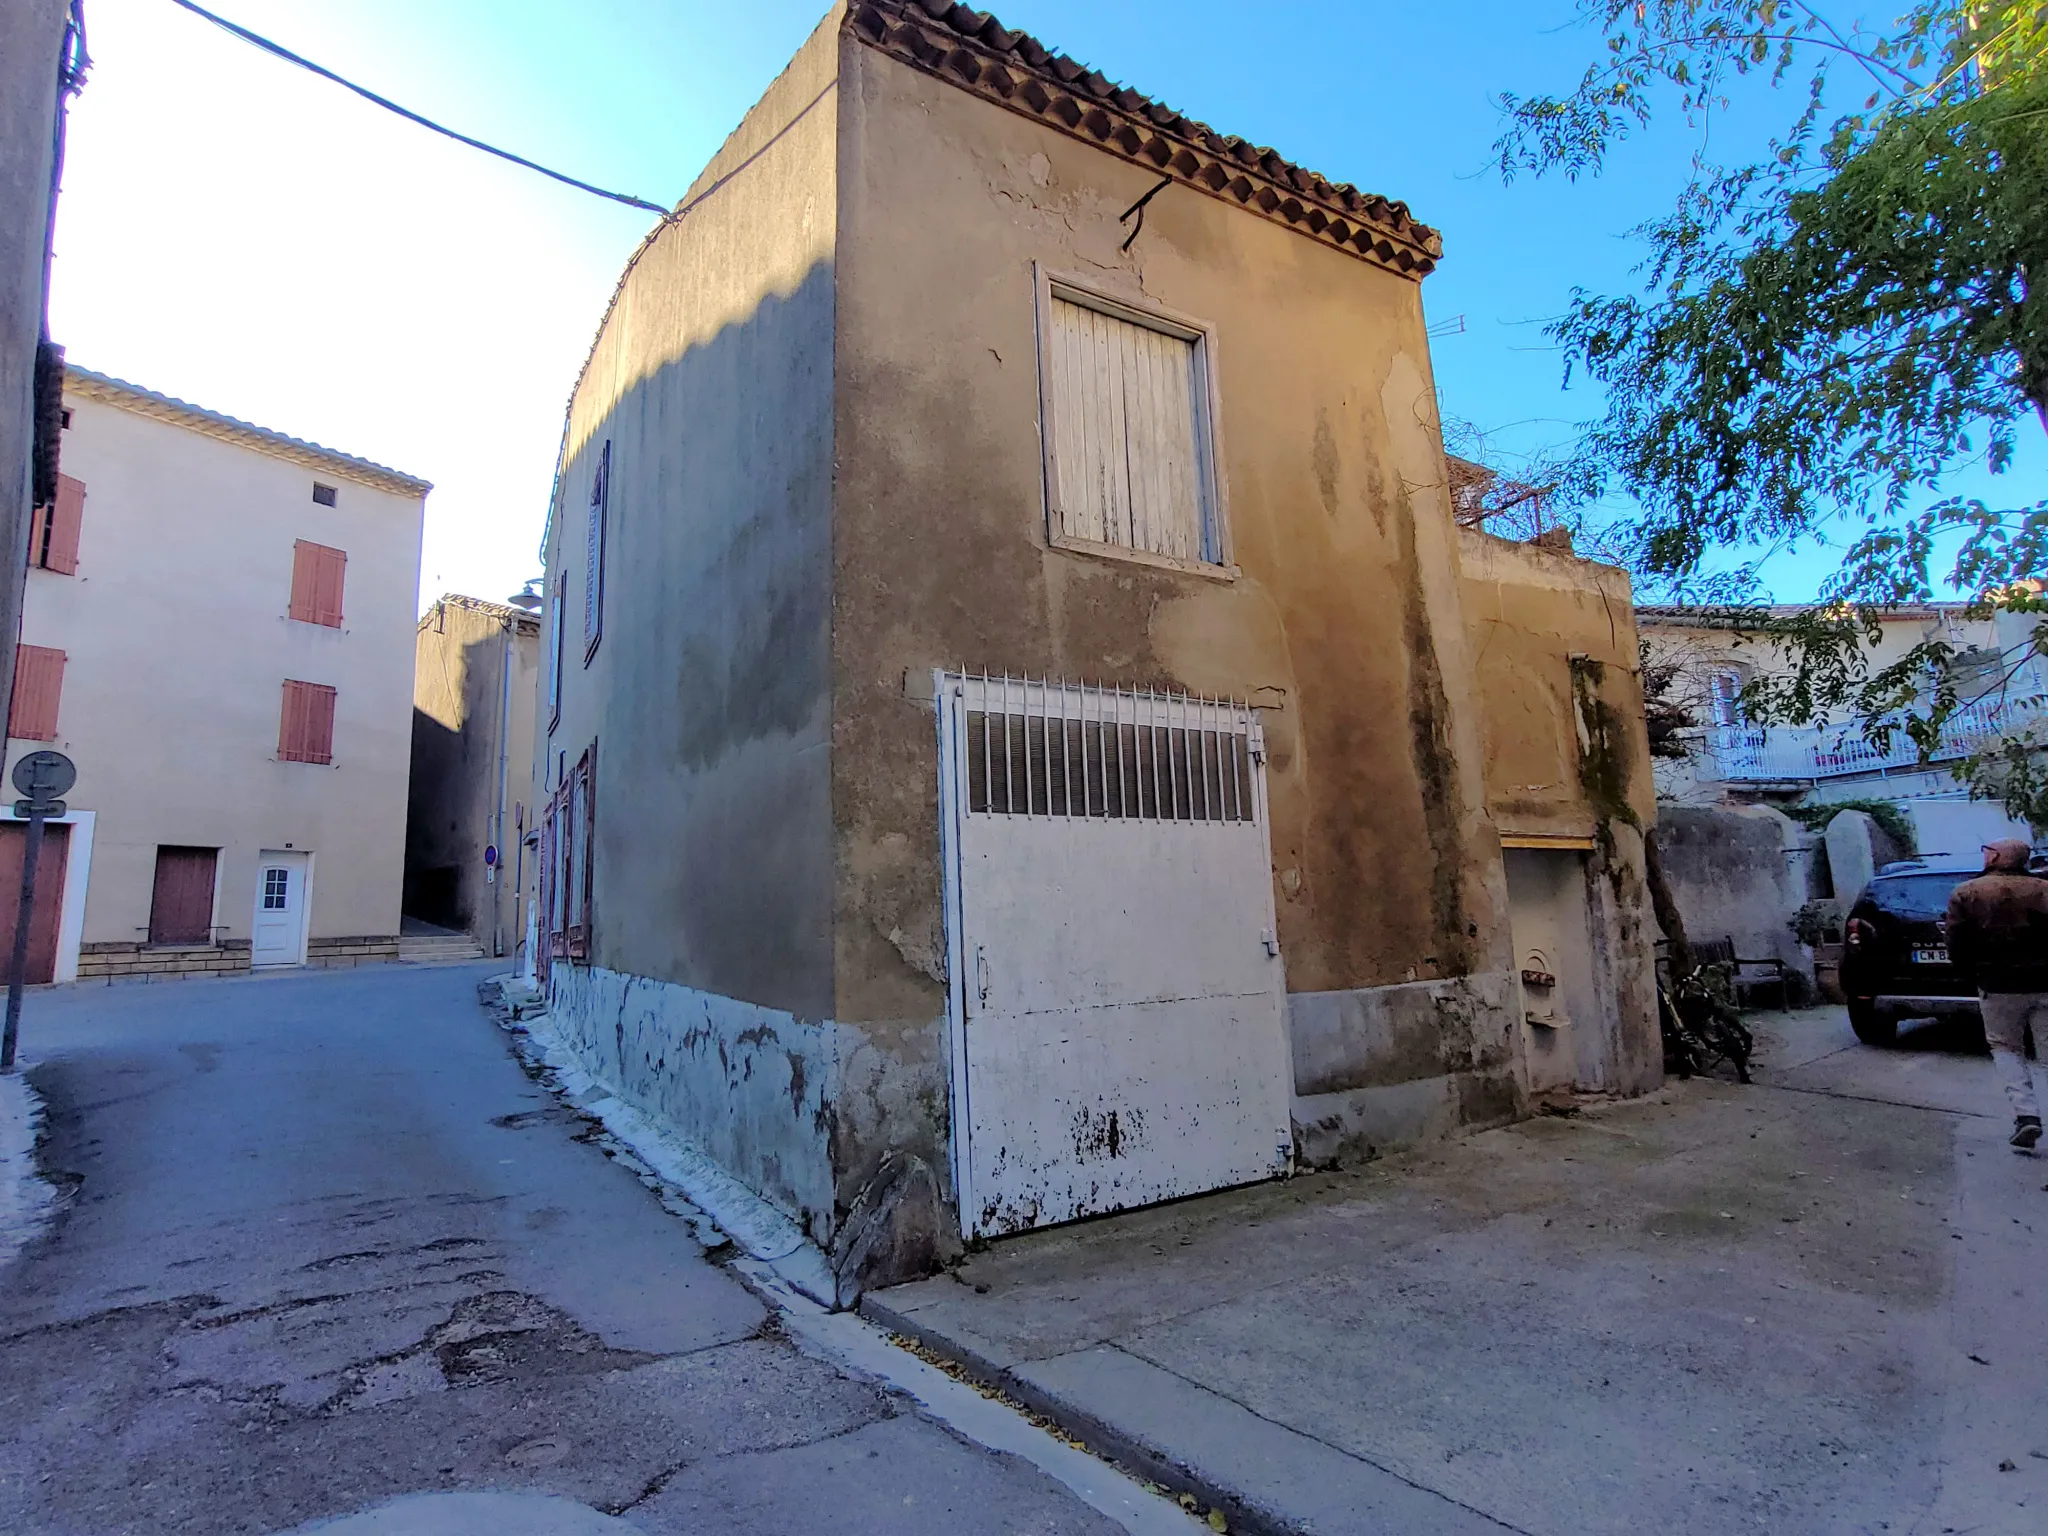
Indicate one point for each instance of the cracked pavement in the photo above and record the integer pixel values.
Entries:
(327, 1246)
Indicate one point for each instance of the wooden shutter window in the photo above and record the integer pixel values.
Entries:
(1128, 449)
(53, 531)
(181, 903)
(306, 732)
(317, 577)
(38, 683)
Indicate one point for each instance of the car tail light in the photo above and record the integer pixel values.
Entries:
(1860, 933)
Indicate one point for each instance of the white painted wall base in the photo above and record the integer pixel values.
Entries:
(750, 1086)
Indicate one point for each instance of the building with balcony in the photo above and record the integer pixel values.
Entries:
(1730, 759)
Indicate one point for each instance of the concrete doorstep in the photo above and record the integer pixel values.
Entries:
(1796, 1306)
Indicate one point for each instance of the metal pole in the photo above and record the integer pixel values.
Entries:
(31, 854)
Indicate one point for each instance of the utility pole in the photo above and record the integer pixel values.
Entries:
(40, 777)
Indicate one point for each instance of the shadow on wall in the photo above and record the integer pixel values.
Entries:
(710, 1002)
(709, 696)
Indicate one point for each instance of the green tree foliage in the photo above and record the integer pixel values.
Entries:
(1827, 332)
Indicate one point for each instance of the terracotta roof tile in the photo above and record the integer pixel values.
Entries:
(972, 50)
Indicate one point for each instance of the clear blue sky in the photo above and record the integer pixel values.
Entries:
(243, 235)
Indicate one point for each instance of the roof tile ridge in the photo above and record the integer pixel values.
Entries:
(977, 53)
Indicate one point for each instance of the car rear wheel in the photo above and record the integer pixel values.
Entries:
(1872, 1027)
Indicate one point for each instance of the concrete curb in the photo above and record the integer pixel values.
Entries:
(1132, 1455)
(1266, 1479)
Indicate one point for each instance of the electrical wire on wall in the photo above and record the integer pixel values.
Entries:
(278, 50)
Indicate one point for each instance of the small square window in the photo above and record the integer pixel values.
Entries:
(326, 495)
(64, 419)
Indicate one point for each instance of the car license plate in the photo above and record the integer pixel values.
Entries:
(1930, 956)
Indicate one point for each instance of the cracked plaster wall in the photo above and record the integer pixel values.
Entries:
(1567, 756)
(1345, 612)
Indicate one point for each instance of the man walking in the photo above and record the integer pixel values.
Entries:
(1998, 935)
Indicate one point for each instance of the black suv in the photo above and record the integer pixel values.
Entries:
(1895, 960)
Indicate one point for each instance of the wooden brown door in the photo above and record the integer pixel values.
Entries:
(181, 906)
(42, 927)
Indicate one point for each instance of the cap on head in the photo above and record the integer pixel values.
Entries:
(2009, 853)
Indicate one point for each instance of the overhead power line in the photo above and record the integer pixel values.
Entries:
(282, 52)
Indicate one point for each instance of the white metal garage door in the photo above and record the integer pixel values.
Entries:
(1119, 1002)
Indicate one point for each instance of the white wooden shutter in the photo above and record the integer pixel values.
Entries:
(1129, 429)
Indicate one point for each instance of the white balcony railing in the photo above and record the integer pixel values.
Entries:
(1782, 753)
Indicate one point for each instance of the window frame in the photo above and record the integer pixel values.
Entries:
(567, 875)
(1201, 334)
(553, 593)
(1736, 682)
(597, 532)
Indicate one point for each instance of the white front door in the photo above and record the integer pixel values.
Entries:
(1121, 1009)
(278, 935)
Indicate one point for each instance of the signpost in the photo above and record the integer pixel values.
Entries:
(40, 778)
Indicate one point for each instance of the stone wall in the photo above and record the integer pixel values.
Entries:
(1738, 872)
(113, 961)
(362, 949)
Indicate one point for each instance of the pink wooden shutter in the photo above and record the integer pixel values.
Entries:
(38, 682)
(304, 574)
(67, 516)
(317, 573)
(305, 732)
(291, 724)
(333, 572)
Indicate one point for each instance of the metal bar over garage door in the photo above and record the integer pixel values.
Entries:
(1119, 1002)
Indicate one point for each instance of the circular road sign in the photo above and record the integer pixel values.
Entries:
(44, 775)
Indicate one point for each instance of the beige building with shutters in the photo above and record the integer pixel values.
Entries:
(1013, 742)
(218, 631)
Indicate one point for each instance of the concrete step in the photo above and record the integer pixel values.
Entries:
(439, 947)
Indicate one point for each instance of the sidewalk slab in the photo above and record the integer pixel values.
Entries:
(1720, 1309)
(1266, 1476)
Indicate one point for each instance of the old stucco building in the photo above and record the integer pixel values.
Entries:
(218, 631)
(960, 370)
(474, 682)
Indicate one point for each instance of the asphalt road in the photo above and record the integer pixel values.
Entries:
(329, 1248)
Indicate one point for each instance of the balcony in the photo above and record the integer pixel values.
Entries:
(1783, 754)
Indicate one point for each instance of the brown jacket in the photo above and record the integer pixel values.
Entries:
(1998, 930)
